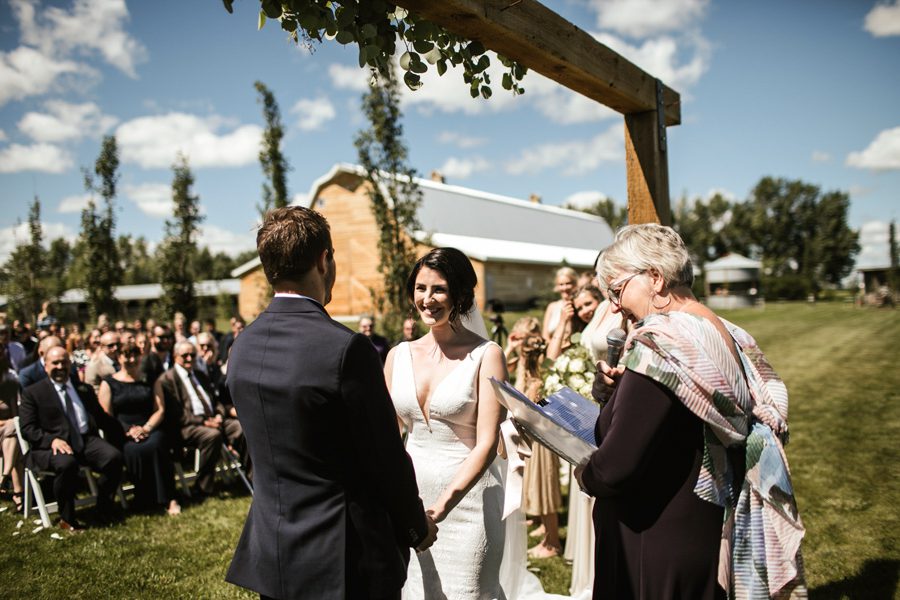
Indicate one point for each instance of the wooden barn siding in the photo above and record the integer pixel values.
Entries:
(254, 295)
(516, 283)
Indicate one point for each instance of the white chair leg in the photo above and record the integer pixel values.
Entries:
(39, 500)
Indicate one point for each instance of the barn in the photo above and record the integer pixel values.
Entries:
(515, 245)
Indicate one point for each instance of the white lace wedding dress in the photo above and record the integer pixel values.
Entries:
(464, 563)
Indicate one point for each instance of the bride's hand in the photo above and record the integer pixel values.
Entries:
(431, 536)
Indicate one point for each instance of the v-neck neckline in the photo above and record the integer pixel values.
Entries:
(425, 409)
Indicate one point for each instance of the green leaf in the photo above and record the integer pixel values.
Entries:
(369, 31)
(405, 61)
(473, 91)
(344, 36)
(485, 92)
(362, 56)
(417, 66)
(433, 56)
(507, 81)
(346, 13)
(475, 48)
(272, 8)
(228, 6)
(262, 20)
(412, 81)
(289, 24)
(441, 67)
(423, 46)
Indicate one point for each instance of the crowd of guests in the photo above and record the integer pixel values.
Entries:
(129, 400)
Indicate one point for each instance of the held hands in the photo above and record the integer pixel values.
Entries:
(605, 381)
(431, 536)
(60, 446)
(214, 422)
(137, 433)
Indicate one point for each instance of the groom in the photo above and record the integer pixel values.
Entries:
(335, 507)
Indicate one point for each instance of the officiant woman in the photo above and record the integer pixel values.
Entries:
(691, 394)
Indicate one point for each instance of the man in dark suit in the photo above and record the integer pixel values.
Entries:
(36, 371)
(335, 506)
(201, 421)
(61, 420)
(159, 360)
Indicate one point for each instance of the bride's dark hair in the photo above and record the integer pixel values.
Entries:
(457, 270)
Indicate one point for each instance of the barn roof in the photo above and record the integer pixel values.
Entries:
(532, 232)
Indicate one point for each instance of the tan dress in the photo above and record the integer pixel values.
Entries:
(541, 479)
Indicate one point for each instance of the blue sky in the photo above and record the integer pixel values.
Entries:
(808, 89)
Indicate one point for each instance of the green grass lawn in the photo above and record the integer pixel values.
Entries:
(839, 364)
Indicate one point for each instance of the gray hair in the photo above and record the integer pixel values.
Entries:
(647, 247)
(567, 272)
(185, 344)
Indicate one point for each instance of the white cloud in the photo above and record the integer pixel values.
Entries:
(641, 18)
(64, 121)
(232, 243)
(662, 57)
(459, 140)
(154, 142)
(10, 237)
(36, 157)
(349, 78)
(300, 199)
(562, 105)
(574, 157)
(821, 156)
(74, 204)
(2, 135)
(462, 168)
(884, 19)
(27, 72)
(313, 113)
(874, 242)
(882, 154)
(91, 26)
(583, 200)
(153, 199)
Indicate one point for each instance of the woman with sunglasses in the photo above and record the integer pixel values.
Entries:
(147, 458)
(690, 455)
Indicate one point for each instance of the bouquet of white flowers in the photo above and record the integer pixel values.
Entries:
(573, 369)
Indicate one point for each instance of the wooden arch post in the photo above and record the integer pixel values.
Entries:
(540, 39)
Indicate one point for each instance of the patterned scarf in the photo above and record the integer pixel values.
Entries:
(741, 406)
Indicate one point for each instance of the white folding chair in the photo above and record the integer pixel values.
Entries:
(33, 486)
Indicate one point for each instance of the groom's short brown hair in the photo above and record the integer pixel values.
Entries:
(290, 240)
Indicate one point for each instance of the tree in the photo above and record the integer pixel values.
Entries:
(24, 271)
(704, 227)
(394, 194)
(179, 247)
(138, 265)
(894, 273)
(376, 26)
(98, 255)
(273, 162)
(608, 210)
(59, 261)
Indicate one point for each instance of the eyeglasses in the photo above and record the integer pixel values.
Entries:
(615, 289)
(187, 355)
(113, 345)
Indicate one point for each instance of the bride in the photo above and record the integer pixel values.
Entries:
(444, 399)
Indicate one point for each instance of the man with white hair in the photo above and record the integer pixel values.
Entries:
(105, 362)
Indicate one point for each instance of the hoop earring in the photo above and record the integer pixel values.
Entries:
(660, 307)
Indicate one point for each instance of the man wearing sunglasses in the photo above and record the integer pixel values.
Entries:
(105, 362)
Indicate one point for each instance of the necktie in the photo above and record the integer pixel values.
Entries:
(200, 394)
(74, 433)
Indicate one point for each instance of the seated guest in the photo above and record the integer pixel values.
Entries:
(9, 402)
(367, 328)
(159, 360)
(36, 370)
(61, 419)
(237, 326)
(14, 348)
(207, 357)
(146, 451)
(201, 420)
(410, 330)
(105, 361)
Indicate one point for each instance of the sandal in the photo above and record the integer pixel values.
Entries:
(17, 500)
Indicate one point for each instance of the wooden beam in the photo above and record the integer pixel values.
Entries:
(647, 169)
(537, 37)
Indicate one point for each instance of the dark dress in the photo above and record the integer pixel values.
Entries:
(655, 537)
(148, 462)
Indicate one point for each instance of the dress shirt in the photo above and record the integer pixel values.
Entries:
(81, 416)
(193, 386)
(290, 295)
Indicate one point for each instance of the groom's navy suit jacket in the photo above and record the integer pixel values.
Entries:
(335, 507)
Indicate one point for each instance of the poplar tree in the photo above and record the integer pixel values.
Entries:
(273, 162)
(394, 195)
(22, 275)
(178, 250)
(99, 257)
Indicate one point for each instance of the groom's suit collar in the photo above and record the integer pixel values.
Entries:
(288, 304)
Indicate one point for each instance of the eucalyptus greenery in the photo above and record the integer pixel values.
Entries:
(395, 198)
(377, 27)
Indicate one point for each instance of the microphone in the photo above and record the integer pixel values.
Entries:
(615, 341)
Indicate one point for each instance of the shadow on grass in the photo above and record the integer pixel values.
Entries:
(876, 581)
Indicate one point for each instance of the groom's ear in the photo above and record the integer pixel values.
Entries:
(322, 260)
